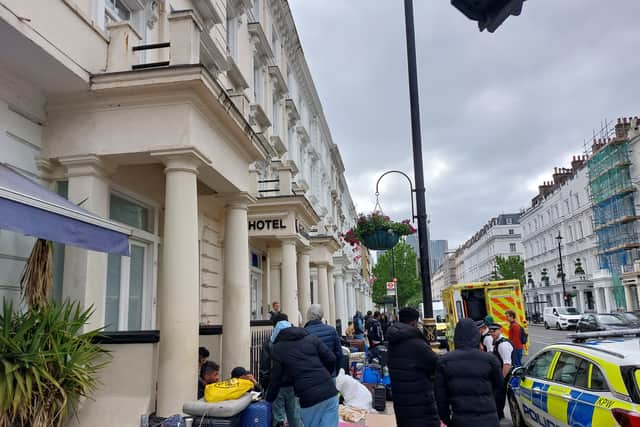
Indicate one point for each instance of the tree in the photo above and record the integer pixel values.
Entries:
(409, 287)
(510, 268)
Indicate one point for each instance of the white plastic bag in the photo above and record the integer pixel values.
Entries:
(354, 393)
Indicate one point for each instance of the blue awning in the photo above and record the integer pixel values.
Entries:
(29, 208)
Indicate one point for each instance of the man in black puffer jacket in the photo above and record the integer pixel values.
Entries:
(412, 365)
(325, 333)
(308, 362)
(467, 379)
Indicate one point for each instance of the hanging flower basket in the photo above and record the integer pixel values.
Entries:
(380, 240)
(377, 232)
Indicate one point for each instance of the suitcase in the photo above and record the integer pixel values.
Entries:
(258, 414)
(199, 421)
(379, 398)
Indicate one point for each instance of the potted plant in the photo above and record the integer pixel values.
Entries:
(377, 231)
(48, 363)
(544, 277)
(579, 271)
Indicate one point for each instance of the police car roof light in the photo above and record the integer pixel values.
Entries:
(583, 336)
(626, 418)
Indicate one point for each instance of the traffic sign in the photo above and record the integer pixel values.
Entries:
(391, 285)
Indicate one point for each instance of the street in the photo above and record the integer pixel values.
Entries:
(539, 337)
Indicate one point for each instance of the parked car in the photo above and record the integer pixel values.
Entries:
(602, 322)
(561, 317)
(629, 316)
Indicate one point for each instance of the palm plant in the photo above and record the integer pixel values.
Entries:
(47, 365)
(47, 362)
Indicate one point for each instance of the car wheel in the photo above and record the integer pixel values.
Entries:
(546, 325)
(558, 326)
(516, 415)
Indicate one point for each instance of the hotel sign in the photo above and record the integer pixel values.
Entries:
(266, 224)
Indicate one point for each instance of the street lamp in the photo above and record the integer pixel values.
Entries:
(561, 269)
(421, 202)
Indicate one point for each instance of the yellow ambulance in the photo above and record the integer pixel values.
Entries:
(477, 300)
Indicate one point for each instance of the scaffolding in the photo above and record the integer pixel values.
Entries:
(614, 214)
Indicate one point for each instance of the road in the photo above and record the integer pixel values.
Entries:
(539, 337)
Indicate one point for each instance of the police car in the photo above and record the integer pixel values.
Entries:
(592, 381)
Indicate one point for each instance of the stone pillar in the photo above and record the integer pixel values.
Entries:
(323, 287)
(597, 295)
(85, 271)
(341, 312)
(331, 313)
(275, 278)
(356, 289)
(236, 306)
(628, 296)
(304, 283)
(582, 301)
(609, 299)
(179, 293)
(289, 280)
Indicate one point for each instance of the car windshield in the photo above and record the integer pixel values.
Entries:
(630, 316)
(611, 319)
(567, 310)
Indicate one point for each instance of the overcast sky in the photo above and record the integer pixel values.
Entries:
(498, 111)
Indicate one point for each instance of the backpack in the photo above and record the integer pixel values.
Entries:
(524, 336)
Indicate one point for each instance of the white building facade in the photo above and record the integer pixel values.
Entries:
(563, 207)
(499, 237)
(197, 124)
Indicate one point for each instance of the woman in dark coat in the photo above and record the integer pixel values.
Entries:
(412, 365)
(467, 380)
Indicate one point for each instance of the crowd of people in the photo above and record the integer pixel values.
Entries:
(466, 386)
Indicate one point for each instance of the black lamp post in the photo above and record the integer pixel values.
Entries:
(561, 269)
(416, 137)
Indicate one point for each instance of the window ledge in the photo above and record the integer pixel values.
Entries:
(259, 116)
(260, 38)
(128, 337)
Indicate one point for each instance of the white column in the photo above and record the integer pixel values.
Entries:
(597, 294)
(331, 314)
(323, 287)
(628, 296)
(85, 271)
(289, 280)
(304, 283)
(236, 307)
(275, 278)
(341, 312)
(582, 301)
(179, 293)
(609, 299)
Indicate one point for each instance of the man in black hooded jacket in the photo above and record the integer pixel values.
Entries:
(412, 365)
(467, 381)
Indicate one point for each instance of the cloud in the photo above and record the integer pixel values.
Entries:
(498, 111)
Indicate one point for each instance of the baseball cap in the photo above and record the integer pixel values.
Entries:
(239, 372)
(488, 319)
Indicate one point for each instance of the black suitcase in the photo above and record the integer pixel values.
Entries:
(379, 398)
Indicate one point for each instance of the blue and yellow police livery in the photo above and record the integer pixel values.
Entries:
(593, 381)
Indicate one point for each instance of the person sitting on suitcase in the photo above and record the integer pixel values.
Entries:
(240, 372)
(209, 374)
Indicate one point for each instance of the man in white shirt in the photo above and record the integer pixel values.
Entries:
(502, 348)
